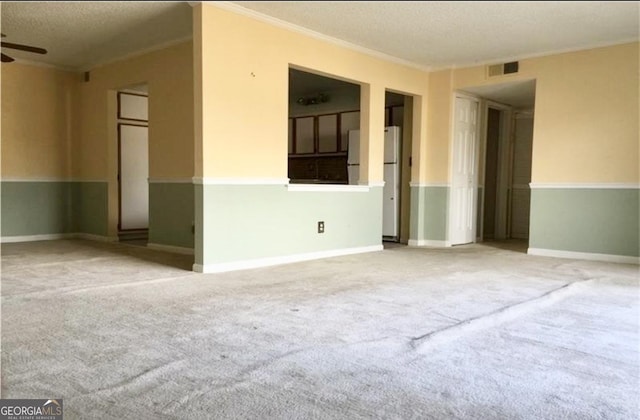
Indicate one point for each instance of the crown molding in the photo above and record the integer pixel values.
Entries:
(138, 53)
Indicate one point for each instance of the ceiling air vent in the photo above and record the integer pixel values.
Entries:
(504, 68)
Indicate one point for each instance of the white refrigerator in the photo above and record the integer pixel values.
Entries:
(391, 190)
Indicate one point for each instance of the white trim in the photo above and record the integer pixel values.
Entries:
(34, 238)
(327, 188)
(171, 248)
(466, 95)
(429, 242)
(177, 180)
(429, 184)
(229, 6)
(613, 186)
(497, 105)
(92, 237)
(271, 261)
(240, 181)
(372, 184)
(590, 256)
(57, 236)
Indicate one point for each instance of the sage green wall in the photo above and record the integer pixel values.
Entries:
(171, 214)
(36, 208)
(90, 207)
(246, 222)
(429, 213)
(45, 208)
(601, 221)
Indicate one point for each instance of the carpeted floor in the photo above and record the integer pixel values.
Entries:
(471, 332)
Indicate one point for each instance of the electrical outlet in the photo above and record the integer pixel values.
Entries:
(320, 227)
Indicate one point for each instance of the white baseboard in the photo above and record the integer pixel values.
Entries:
(271, 261)
(429, 242)
(34, 238)
(584, 256)
(171, 248)
(57, 236)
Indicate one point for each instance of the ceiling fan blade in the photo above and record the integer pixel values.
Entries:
(6, 58)
(23, 47)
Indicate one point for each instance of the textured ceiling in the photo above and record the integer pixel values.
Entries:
(79, 35)
(438, 34)
(428, 34)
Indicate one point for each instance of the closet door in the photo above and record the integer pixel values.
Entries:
(305, 139)
(348, 121)
(134, 173)
(328, 133)
(290, 135)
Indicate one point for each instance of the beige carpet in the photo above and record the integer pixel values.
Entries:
(472, 332)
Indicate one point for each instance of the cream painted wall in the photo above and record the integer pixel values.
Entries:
(37, 121)
(257, 56)
(439, 102)
(586, 125)
(169, 75)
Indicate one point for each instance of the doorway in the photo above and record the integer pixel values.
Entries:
(506, 199)
(397, 164)
(504, 159)
(495, 172)
(520, 198)
(133, 166)
(491, 174)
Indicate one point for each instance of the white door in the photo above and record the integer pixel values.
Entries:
(462, 227)
(134, 173)
(390, 201)
(390, 192)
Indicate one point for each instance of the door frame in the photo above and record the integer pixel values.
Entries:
(503, 179)
(453, 158)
